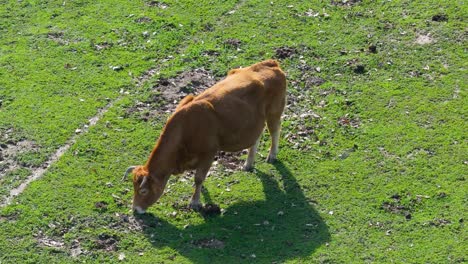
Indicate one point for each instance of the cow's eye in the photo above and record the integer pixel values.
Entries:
(143, 191)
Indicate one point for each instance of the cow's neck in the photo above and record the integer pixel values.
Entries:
(163, 158)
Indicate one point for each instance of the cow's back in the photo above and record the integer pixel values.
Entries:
(240, 104)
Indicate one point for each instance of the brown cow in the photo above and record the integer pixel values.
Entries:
(230, 116)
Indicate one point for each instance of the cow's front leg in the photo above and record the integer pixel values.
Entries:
(200, 176)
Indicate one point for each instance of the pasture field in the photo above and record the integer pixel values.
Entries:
(373, 154)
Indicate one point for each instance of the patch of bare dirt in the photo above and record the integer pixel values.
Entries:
(285, 52)
(189, 82)
(132, 222)
(230, 160)
(234, 43)
(211, 53)
(424, 39)
(58, 37)
(345, 2)
(356, 66)
(440, 222)
(347, 121)
(403, 204)
(169, 91)
(11, 149)
(102, 46)
(9, 218)
(158, 4)
(308, 78)
(106, 242)
(142, 20)
(101, 206)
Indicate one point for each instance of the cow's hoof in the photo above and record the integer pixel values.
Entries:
(248, 168)
(271, 159)
(195, 206)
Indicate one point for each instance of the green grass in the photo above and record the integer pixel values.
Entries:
(372, 161)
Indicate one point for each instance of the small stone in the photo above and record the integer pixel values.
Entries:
(280, 213)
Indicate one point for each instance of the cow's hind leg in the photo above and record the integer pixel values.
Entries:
(249, 163)
(200, 176)
(274, 127)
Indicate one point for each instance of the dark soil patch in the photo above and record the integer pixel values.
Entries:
(158, 4)
(438, 222)
(57, 37)
(169, 91)
(306, 79)
(285, 52)
(393, 207)
(10, 217)
(103, 46)
(313, 81)
(234, 43)
(143, 20)
(190, 82)
(351, 122)
(101, 206)
(106, 242)
(230, 160)
(12, 150)
(403, 204)
(211, 53)
(372, 49)
(440, 18)
(209, 243)
(345, 2)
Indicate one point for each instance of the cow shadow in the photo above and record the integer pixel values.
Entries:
(281, 227)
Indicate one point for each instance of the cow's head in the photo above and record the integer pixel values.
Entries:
(147, 188)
